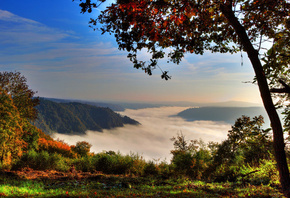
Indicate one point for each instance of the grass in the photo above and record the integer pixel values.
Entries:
(99, 185)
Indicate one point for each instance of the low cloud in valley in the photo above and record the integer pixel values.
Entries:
(151, 139)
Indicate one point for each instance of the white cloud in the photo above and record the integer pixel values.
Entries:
(10, 17)
(19, 30)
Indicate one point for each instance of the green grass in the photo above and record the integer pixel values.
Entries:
(120, 186)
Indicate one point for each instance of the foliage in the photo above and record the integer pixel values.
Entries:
(53, 146)
(42, 160)
(266, 173)
(76, 117)
(248, 136)
(85, 164)
(82, 148)
(17, 109)
(190, 159)
(276, 67)
(185, 26)
(23, 98)
(113, 163)
(247, 143)
(30, 135)
(11, 143)
(150, 169)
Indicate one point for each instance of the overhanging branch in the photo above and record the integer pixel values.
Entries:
(286, 88)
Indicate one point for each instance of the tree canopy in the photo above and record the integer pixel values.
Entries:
(23, 98)
(186, 26)
(17, 134)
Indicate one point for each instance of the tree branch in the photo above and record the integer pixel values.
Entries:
(286, 88)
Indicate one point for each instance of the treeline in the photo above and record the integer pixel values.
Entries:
(75, 117)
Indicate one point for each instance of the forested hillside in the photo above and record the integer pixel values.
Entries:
(74, 117)
(226, 114)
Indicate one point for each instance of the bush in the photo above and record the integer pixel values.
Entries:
(84, 164)
(138, 165)
(42, 161)
(82, 148)
(103, 163)
(165, 169)
(150, 169)
(266, 173)
(113, 163)
(182, 163)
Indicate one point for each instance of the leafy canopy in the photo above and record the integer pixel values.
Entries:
(186, 26)
(23, 98)
(17, 134)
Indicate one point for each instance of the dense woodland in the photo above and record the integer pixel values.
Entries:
(75, 117)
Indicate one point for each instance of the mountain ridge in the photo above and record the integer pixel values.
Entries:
(77, 118)
(225, 114)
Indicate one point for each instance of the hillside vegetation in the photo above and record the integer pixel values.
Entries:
(74, 117)
(226, 114)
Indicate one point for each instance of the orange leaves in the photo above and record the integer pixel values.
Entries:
(55, 146)
(155, 11)
(178, 19)
(132, 6)
(165, 23)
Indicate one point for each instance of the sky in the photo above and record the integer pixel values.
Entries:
(50, 43)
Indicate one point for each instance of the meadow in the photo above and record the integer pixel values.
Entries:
(31, 183)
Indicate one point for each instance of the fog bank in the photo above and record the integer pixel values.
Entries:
(151, 139)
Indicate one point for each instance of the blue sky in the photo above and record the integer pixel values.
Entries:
(50, 43)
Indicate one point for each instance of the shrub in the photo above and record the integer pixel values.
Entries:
(42, 161)
(113, 163)
(266, 173)
(103, 162)
(150, 169)
(165, 169)
(55, 146)
(82, 148)
(138, 165)
(182, 163)
(84, 164)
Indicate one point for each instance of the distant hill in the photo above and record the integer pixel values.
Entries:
(121, 106)
(74, 117)
(114, 107)
(226, 114)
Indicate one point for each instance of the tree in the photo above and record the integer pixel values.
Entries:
(276, 67)
(246, 140)
(23, 98)
(191, 158)
(11, 143)
(82, 148)
(195, 26)
(17, 134)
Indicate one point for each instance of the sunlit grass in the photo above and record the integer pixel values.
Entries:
(116, 186)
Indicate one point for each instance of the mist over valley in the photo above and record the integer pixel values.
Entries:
(146, 129)
(151, 139)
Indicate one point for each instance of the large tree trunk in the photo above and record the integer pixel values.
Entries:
(278, 138)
